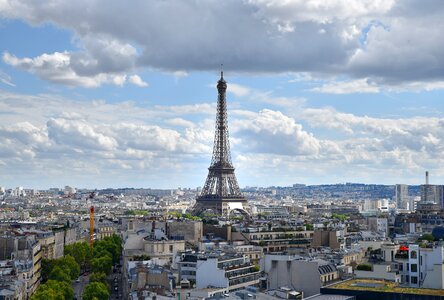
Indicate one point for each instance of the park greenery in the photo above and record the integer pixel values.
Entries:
(188, 216)
(426, 237)
(136, 212)
(364, 267)
(341, 217)
(58, 274)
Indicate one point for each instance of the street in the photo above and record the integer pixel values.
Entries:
(80, 286)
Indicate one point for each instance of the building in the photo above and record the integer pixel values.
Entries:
(402, 196)
(301, 274)
(25, 253)
(329, 238)
(432, 194)
(146, 276)
(190, 231)
(379, 225)
(223, 271)
(275, 241)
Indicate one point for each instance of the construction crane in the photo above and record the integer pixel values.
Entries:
(91, 226)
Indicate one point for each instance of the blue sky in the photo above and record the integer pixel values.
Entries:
(111, 94)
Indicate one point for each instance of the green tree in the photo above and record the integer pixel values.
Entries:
(427, 237)
(112, 244)
(47, 266)
(96, 290)
(54, 290)
(364, 267)
(44, 294)
(102, 264)
(59, 274)
(81, 253)
(98, 277)
(69, 264)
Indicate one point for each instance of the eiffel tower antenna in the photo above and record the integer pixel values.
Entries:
(221, 191)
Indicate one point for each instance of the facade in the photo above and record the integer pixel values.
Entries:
(379, 225)
(26, 254)
(301, 274)
(275, 241)
(228, 271)
(190, 231)
(402, 196)
(334, 239)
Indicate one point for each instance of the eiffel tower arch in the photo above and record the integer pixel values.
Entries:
(221, 193)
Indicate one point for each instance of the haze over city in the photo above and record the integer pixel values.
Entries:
(102, 94)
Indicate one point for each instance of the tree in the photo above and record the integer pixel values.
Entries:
(47, 266)
(69, 264)
(81, 253)
(98, 277)
(54, 290)
(96, 290)
(59, 274)
(364, 267)
(427, 237)
(102, 264)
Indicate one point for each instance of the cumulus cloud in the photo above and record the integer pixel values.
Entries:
(91, 138)
(136, 80)
(57, 67)
(273, 132)
(387, 42)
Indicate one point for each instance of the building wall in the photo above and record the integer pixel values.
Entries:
(192, 231)
(379, 272)
(298, 275)
(59, 246)
(414, 261)
(401, 196)
(208, 274)
(326, 238)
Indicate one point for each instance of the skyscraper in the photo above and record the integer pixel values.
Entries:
(431, 193)
(402, 196)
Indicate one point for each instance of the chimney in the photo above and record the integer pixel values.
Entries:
(427, 177)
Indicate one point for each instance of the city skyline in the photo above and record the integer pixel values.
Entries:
(341, 91)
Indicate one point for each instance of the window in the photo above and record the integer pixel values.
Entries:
(171, 248)
(407, 266)
(420, 260)
(413, 254)
(400, 267)
(414, 268)
(414, 280)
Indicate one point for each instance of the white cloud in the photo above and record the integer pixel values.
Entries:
(127, 144)
(136, 80)
(348, 87)
(57, 67)
(238, 90)
(273, 132)
(387, 43)
(6, 79)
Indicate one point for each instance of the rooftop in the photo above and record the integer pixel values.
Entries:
(382, 286)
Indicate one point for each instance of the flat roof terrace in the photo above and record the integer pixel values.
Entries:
(382, 286)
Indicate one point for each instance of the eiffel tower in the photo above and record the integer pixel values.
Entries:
(221, 193)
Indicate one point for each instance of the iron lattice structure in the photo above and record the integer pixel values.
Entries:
(221, 187)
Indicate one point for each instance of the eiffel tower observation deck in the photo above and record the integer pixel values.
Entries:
(221, 193)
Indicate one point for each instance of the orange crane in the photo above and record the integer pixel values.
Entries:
(91, 226)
